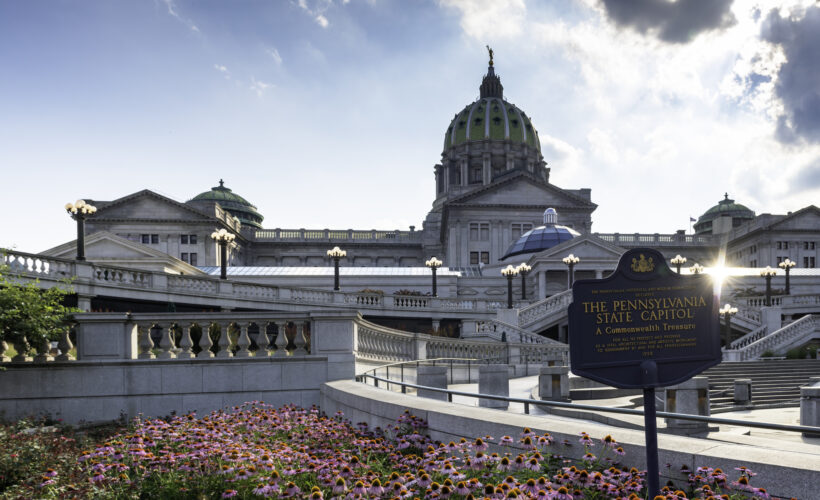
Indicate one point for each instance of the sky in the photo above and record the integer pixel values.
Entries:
(332, 113)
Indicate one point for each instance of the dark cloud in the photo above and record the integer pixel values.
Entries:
(808, 177)
(673, 22)
(798, 80)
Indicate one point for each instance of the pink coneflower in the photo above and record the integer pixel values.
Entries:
(620, 451)
(480, 445)
(229, 493)
(505, 440)
(608, 441)
(504, 464)
(532, 464)
(291, 490)
(585, 439)
(339, 485)
(359, 488)
(530, 487)
(376, 488)
(562, 494)
(50, 473)
(461, 488)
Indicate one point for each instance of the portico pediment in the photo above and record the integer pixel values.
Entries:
(805, 219)
(149, 205)
(521, 190)
(587, 247)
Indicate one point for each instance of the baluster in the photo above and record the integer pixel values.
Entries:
(145, 342)
(205, 342)
(224, 342)
(3, 348)
(43, 354)
(186, 343)
(281, 339)
(166, 342)
(300, 340)
(64, 345)
(262, 340)
(22, 348)
(243, 341)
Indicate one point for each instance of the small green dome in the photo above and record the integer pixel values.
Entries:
(491, 118)
(725, 208)
(232, 202)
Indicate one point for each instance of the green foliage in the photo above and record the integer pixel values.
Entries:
(768, 354)
(30, 316)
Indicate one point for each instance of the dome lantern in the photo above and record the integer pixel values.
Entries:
(238, 206)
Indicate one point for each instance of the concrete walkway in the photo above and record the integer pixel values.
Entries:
(525, 387)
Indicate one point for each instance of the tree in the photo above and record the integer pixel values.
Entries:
(29, 316)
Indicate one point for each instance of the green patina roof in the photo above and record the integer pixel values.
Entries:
(491, 118)
(727, 207)
(237, 205)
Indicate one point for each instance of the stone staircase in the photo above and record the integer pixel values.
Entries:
(775, 383)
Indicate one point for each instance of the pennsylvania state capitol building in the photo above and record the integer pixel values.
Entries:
(494, 205)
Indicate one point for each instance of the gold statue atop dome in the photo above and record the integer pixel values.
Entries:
(491, 54)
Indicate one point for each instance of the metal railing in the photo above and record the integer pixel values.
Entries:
(806, 429)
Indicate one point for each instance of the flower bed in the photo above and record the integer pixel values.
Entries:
(256, 451)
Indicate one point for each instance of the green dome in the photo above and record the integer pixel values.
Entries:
(725, 208)
(232, 202)
(491, 118)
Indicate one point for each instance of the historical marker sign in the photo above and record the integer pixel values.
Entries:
(643, 326)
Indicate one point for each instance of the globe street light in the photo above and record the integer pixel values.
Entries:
(678, 261)
(695, 268)
(523, 269)
(727, 311)
(433, 264)
(336, 253)
(79, 211)
(223, 237)
(510, 273)
(787, 265)
(570, 260)
(768, 273)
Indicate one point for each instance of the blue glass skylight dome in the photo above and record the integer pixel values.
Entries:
(543, 237)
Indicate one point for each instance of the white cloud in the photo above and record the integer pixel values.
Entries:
(275, 55)
(222, 69)
(318, 12)
(321, 20)
(490, 19)
(172, 10)
(259, 86)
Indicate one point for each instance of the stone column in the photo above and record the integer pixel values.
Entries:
(810, 407)
(494, 380)
(743, 391)
(432, 376)
(599, 273)
(690, 397)
(770, 316)
(542, 285)
(553, 383)
(335, 334)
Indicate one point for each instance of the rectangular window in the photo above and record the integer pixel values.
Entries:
(192, 259)
(473, 258)
(183, 256)
(485, 258)
(519, 229)
(146, 239)
(753, 263)
(183, 240)
(479, 231)
(154, 239)
(192, 239)
(808, 245)
(808, 262)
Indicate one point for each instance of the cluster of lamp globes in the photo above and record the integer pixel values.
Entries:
(223, 235)
(336, 253)
(522, 268)
(80, 207)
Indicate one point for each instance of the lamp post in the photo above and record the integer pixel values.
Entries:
(510, 273)
(336, 253)
(727, 311)
(223, 237)
(678, 261)
(570, 260)
(78, 211)
(523, 269)
(695, 268)
(787, 265)
(768, 273)
(434, 264)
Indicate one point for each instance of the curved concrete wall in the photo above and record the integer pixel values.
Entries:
(782, 473)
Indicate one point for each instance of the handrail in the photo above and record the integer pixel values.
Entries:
(575, 406)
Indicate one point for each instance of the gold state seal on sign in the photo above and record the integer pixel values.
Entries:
(642, 265)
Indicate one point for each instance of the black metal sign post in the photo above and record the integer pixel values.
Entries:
(644, 327)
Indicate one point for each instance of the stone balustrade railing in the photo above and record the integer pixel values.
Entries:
(557, 303)
(90, 275)
(759, 301)
(380, 343)
(753, 336)
(340, 236)
(748, 313)
(505, 332)
(658, 240)
(777, 341)
(796, 301)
